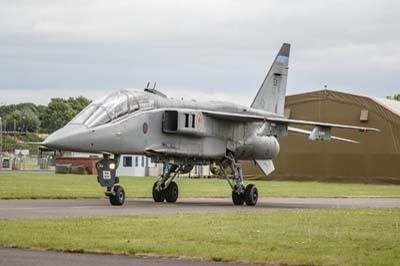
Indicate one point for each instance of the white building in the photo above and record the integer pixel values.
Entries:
(138, 165)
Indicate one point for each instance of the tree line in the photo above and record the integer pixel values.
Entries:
(394, 97)
(30, 117)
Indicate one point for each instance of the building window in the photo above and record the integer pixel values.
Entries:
(127, 161)
(364, 116)
(193, 120)
(136, 161)
(147, 162)
(142, 161)
(186, 120)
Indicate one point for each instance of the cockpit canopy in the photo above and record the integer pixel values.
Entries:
(113, 106)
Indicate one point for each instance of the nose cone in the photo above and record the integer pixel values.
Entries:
(70, 137)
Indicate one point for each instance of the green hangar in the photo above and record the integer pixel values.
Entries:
(376, 159)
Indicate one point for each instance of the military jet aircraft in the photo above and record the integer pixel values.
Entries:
(183, 133)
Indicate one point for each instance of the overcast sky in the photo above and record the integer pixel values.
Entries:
(206, 49)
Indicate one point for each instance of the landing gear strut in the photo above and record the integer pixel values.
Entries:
(106, 170)
(165, 188)
(240, 193)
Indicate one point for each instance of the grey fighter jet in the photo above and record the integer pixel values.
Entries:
(184, 133)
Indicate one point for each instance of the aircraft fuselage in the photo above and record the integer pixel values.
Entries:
(196, 136)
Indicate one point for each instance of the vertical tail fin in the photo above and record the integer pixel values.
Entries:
(271, 95)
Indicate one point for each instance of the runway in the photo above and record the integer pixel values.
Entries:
(26, 257)
(26, 209)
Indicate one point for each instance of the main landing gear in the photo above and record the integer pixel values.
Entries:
(240, 193)
(106, 169)
(165, 189)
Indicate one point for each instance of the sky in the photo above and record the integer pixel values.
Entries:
(202, 49)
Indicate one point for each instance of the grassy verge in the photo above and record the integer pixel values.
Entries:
(36, 185)
(312, 237)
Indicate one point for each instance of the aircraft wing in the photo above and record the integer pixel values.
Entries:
(308, 132)
(234, 116)
(279, 126)
(281, 120)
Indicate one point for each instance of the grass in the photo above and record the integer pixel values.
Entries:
(307, 237)
(38, 185)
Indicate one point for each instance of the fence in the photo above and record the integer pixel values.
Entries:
(26, 163)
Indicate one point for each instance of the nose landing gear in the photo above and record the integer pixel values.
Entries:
(106, 176)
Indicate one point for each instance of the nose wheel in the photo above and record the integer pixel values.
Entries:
(117, 198)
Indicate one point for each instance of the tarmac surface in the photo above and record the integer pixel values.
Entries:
(28, 257)
(26, 209)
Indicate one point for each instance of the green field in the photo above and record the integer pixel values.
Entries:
(36, 185)
(308, 237)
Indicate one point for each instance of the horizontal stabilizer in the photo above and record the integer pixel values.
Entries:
(310, 134)
(320, 124)
(267, 166)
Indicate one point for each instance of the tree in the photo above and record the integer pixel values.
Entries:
(29, 117)
(394, 97)
(26, 120)
(57, 114)
(78, 103)
(7, 109)
(30, 107)
(30, 120)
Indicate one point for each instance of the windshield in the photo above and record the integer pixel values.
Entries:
(113, 106)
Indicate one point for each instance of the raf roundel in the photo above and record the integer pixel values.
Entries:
(145, 127)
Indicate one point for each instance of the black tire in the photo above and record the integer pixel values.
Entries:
(171, 192)
(251, 195)
(157, 195)
(119, 198)
(237, 199)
